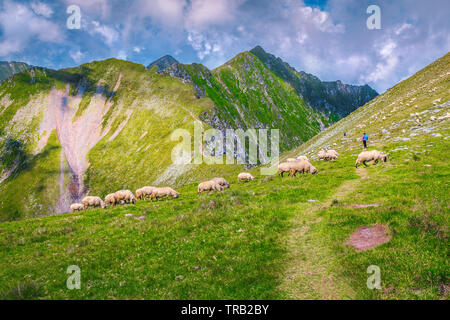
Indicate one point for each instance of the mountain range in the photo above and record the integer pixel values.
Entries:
(107, 125)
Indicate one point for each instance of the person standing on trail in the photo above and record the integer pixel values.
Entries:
(364, 140)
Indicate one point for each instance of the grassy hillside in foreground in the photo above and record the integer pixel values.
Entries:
(265, 239)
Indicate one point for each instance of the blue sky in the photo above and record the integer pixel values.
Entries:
(326, 38)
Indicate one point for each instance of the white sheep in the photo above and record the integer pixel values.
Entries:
(245, 176)
(144, 192)
(285, 167)
(76, 207)
(209, 186)
(110, 200)
(372, 155)
(163, 193)
(91, 201)
(327, 155)
(127, 196)
(302, 166)
(221, 181)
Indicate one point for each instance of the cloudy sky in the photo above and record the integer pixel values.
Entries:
(328, 38)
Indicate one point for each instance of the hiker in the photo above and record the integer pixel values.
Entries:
(364, 140)
(345, 134)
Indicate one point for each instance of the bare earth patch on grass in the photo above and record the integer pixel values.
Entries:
(365, 238)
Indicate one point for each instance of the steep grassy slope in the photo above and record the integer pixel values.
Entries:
(272, 238)
(248, 95)
(411, 190)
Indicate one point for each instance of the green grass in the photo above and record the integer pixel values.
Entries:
(261, 240)
(197, 237)
(414, 205)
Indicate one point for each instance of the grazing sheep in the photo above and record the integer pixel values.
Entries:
(327, 155)
(209, 186)
(285, 167)
(245, 176)
(221, 181)
(321, 154)
(110, 200)
(144, 192)
(163, 193)
(372, 155)
(76, 207)
(124, 196)
(90, 201)
(302, 166)
(128, 196)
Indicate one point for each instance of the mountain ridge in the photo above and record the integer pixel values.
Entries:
(331, 96)
(9, 68)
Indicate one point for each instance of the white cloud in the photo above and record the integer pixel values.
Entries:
(137, 49)
(165, 12)
(41, 9)
(386, 66)
(205, 13)
(319, 19)
(76, 56)
(400, 29)
(109, 34)
(20, 25)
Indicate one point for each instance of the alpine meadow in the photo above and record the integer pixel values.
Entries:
(357, 206)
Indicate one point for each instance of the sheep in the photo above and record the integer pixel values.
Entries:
(221, 181)
(126, 196)
(110, 199)
(372, 155)
(297, 159)
(76, 207)
(321, 155)
(209, 186)
(245, 176)
(163, 193)
(285, 167)
(120, 197)
(301, 166)
(327, 155)
(331, 156)
(90, 201)
(144, 192)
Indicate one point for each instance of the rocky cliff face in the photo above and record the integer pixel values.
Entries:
(162, 63)
(334, 98)
(7, 69)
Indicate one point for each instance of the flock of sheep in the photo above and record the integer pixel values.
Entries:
(292, 166)
(126, 196)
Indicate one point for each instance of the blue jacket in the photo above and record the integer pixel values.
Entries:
(365, 137)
